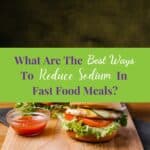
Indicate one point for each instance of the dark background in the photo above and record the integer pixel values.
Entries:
(74, 23)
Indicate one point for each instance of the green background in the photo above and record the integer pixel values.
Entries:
(135, 89)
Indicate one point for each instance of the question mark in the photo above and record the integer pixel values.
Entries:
(115, 88)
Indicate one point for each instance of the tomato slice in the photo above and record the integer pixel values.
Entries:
(95, 122)
(69, 117)
(90, 122)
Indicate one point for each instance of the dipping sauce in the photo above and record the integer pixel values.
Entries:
(29, 124)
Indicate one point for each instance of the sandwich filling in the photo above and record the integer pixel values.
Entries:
(98, 123)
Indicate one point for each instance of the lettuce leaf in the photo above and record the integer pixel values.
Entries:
(82, 130)
(28, 107)
(122, 120)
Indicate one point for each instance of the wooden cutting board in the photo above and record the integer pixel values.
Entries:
(54, 138)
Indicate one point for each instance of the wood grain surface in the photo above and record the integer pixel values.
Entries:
(3, 129)
(7, 105)
(54, 138)
(140, 111)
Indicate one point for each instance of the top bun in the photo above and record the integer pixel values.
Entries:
(114, 106)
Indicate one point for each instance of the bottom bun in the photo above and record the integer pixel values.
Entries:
(91, 138)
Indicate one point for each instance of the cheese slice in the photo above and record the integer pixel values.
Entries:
(82, 112)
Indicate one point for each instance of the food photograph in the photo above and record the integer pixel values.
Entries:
(74, 125)
(74, 75)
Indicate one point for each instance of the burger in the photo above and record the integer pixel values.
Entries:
(93, 122)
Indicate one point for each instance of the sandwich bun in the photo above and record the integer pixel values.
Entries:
(91, 138)
(114, 106)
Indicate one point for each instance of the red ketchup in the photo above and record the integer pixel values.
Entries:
(29, 125)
